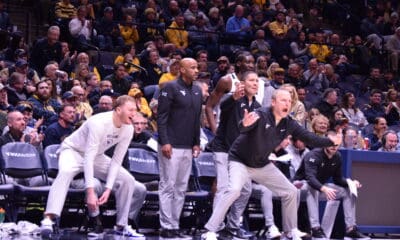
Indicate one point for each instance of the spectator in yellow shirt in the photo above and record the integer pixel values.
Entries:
(141, 102)
(177, 35)
(279, 25)
(171, 75)
(319, 49)
(128, 30)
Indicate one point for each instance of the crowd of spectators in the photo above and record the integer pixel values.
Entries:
(337, 79)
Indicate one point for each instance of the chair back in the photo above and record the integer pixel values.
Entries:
(51, 159)
(21, 160)
(143, 164)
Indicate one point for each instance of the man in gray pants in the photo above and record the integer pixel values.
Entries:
(318, 166)
(232, 112)
(261, 133)
(179, 110)
(83, 151)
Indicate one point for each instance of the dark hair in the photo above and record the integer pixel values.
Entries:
(63, 106)
(345, 101)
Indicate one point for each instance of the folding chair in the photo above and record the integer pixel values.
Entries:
(143, 165)
(203, 173)
(22, 161)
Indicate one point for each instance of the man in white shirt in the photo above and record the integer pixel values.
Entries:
(84, 151)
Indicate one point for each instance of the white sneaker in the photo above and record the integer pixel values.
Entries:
(209, 236)
(296, 234)
(128, 231)
(46, 227)
(273, 232)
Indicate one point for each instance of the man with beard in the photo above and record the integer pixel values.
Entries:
(56, 132)
(43, 105)
(220, 71)
(318, 166)
(227, 84)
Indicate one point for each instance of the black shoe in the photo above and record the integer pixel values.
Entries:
(354, 234)
(224, 234)
(318, 233)
(95, 227)
(168, 233)
(240, 233)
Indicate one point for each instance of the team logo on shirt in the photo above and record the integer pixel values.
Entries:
(242, 105)
(183, 92)
(311, 160)
(267, 126)
(164, 94)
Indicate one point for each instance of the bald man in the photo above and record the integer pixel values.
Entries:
(179, 109)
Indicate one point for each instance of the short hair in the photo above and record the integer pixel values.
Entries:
(15, 76)
(328, 91)
(64, 106)
(375, 91)
(276, 91)
(121, 100)
(53, 28)
(246, 74)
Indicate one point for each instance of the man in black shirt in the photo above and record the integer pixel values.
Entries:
(232, 111)
(179, 109)
(317, 168)
(262, 131)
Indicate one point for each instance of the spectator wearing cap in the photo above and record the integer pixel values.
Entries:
(46, 50)
(278, 26)
(393, 46)
(220, 71)
(277, 81)
(81, 30)
(30, 76)
(44, 106)
(192, 13)
(56, 132)
(108, 34)
(177, 35)
(69, 98)
(17, 90)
